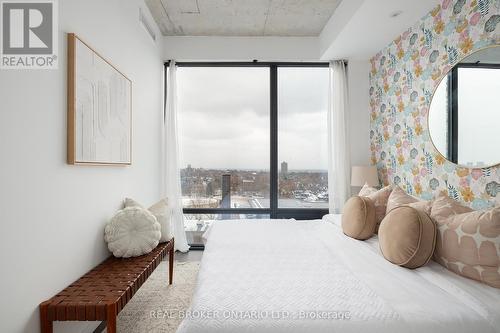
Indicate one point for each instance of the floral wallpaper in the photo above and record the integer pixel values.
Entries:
(403, 77)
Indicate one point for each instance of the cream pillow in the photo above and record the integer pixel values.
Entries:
(132, 232)
(358, 218)
(160, 211)
(399, 197)
(407, 237)
(366, 190)
(468, 241)
(379, 198)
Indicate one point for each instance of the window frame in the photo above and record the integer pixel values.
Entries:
(273, 211)
(453, 77)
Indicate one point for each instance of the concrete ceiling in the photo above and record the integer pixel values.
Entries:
(242, 17)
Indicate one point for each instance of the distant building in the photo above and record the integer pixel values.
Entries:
(284, 168)
(189, 170)
(226, 191)
(210, 189)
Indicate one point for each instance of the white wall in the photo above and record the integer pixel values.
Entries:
(51, 214)
(357, 76)
(241, 48)
(358, 29)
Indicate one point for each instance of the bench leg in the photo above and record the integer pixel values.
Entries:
(111, 318)
(46, 325)
(171, 263)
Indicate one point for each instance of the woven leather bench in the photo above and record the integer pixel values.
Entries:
(102, 293)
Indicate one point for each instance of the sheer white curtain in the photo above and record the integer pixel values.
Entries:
(171, 182)
(338, 138)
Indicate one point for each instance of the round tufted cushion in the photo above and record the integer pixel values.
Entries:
(132, 232)
(358, 218)
(407, 237)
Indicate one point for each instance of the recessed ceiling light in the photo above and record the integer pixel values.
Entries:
(395, 13)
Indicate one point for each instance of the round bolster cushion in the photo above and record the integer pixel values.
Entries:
(358, 218)
(407, 237)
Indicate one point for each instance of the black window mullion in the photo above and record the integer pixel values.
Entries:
(273, 186)
(256, 211)
(453, 116)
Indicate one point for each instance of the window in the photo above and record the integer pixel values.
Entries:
(303, 137)
(253, 141)
(477, 94)
(224, 136)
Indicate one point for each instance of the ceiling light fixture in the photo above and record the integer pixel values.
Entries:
(395, 13)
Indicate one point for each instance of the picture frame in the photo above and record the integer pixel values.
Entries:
(99, 98)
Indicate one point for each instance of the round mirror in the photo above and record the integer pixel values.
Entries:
(464, 116)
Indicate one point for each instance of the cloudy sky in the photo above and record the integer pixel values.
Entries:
(224, 117)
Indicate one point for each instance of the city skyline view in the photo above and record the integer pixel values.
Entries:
(208, 188)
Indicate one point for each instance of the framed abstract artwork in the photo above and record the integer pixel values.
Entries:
(99, 109)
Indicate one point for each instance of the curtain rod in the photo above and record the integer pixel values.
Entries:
(252, 63)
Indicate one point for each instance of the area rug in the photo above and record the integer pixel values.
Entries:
(158, 307)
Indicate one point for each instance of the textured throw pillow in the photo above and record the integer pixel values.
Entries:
(358, 218)
(407, 237)
(399, 197)
(468, 241)
(132, 232)
(160, 211)
(379, 198)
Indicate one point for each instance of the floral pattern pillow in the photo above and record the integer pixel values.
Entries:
(468, 242)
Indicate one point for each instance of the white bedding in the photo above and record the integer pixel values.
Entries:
(267, 275)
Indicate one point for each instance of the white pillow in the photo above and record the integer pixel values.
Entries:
(160, 211)
(132, 232)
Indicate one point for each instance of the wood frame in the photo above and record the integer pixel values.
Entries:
(71, 104)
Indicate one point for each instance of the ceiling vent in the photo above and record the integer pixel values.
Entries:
(146, 25)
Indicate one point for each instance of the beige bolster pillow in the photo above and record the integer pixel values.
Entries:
(407, 237)
(358, 218)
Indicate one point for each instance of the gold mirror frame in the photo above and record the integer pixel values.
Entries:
(432, 98)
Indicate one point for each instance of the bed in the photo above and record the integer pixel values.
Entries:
(307, 276)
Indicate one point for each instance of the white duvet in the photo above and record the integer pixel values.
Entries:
(307, 276)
